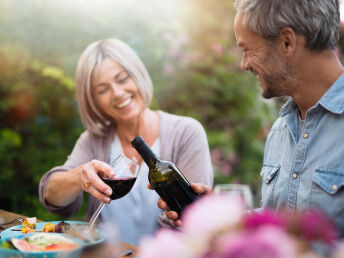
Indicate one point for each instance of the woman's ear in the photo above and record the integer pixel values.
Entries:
(287, 40)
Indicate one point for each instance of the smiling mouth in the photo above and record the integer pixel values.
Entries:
(124, 103)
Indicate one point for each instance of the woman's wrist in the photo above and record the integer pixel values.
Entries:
(63, 187)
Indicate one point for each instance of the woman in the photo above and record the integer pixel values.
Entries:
(114, 91)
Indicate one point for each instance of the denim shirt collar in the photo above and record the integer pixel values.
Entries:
(332, 100)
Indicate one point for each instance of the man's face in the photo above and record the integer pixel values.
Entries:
(262, 59)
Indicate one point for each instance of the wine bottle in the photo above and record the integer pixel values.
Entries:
(165, 178)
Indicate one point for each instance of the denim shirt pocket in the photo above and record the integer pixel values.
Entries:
(330, 180)
(327, 192)
(269, 175)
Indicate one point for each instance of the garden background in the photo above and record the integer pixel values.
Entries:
(189, 49)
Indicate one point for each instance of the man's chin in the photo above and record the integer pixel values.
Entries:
(268, 94)
(271, 94)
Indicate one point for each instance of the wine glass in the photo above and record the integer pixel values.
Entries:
(126, 172)
(243, 190)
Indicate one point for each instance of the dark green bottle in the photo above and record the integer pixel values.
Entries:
(165, 178)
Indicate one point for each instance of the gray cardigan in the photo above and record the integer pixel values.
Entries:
(183, 141)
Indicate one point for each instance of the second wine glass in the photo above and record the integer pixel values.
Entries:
(126, 172)
(243, 190)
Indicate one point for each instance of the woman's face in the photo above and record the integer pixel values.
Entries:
(115, 92)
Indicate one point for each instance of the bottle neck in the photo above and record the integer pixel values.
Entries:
(146, 153)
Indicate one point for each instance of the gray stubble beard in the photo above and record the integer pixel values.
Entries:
(281, 84)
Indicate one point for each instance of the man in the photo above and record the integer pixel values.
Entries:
(289, 45)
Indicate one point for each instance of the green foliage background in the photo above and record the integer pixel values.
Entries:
(189, 49)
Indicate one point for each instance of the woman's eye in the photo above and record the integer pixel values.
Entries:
(104, 90)
(121, 81)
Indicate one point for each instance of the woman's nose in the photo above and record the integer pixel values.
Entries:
(116, 90)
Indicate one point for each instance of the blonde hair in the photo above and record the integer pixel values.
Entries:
(91, 116)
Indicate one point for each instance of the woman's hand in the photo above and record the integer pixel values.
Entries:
(91, 182)
(173, 215)
(63, 187)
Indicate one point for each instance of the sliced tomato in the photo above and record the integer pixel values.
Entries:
(60, 246)
(24, 246)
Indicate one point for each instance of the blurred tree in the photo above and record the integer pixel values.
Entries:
(38, 127)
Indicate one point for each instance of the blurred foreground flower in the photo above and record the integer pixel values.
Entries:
(218, 226)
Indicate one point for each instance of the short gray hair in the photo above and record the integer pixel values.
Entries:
(317, 20)
(91, 117)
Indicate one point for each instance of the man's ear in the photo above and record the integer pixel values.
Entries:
(287, 40)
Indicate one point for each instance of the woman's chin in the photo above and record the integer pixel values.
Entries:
(128, 115)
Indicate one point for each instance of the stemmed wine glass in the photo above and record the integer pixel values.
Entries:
(126, 172)
(243, 190)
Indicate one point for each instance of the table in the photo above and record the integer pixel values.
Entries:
(101, 250)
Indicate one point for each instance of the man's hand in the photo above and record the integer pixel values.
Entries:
(172, 215)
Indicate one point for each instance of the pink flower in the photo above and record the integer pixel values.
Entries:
(265, 242)
(254, 220)
(212, 213)
(315, 225)
(166, 243)
(217, 226)
(171, 244)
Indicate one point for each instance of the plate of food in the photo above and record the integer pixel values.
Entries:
(77, 229)
(42, 244)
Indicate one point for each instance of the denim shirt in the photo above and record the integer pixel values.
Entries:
(308, 171)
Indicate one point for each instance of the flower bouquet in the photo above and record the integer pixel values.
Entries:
(218, 226)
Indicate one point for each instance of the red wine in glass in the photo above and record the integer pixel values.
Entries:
(126, 172)
(119, 186)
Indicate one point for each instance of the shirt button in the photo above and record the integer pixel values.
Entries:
(305, 135)
(334, 187)
(268, 178)
(294, 175)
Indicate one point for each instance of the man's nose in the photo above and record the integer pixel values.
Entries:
(244, 64)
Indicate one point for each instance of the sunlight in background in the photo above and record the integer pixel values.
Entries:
(51, 29)
(128, 9)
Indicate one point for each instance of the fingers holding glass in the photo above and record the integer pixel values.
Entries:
(107, 182)
(126, 173)
(91, 182)
(103, 168)
(100, 195)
